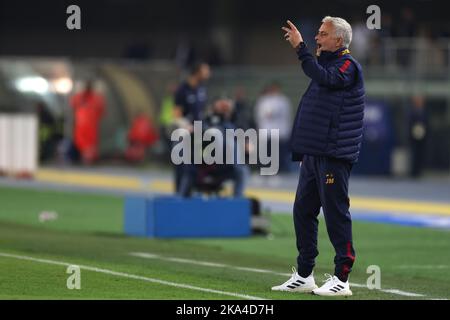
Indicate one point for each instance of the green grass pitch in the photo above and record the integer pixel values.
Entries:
(88, 232)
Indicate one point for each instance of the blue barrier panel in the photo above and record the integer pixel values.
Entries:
(135, 217)
(174, 217)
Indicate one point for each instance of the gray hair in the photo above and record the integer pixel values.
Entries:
(342, 29)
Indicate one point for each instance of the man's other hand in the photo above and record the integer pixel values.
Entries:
(292, 34)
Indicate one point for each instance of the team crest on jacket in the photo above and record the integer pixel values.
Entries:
(330, 178)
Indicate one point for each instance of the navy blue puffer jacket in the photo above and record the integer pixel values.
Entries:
(329, 119)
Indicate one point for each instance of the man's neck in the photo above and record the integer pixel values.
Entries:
(332, 54)
(338, 50)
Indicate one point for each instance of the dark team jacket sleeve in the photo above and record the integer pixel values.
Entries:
(338, 75)
(180, 97)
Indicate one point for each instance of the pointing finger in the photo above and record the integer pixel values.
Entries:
(293, 27)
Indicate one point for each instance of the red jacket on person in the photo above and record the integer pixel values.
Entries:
(88, 109)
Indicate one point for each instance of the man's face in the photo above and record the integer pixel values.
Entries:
(224, 107)
(205, 73)
(326, 40)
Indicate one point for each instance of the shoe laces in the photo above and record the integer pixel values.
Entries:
(294, 274)
(329, 279)
(294, 271)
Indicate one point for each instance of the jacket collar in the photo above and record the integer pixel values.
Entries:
(326, 56)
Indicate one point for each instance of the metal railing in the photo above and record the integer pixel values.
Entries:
(419, 57)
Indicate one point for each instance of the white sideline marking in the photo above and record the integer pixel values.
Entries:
(132, 276)
(403, 293)
(220, 265)
(203, 263)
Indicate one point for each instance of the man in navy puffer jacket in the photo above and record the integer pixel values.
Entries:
(326, 138)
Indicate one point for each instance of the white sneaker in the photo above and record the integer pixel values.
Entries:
(333, 287)
(297, 283)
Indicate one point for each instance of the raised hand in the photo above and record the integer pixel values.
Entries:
(292, 34)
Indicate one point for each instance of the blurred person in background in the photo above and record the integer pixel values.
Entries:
(141, 135)
(50, 132)
(190, 102)
(430, 56)
(241, 116)
(191, 95)
(362, 39)
(379, 50)
(198, 175)
(418, 130)
(273, 111)
(167, 116)
(407, 27)
(88, 107)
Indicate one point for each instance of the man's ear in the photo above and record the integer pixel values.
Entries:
(340, 42)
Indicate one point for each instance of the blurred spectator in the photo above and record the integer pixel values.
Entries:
(378, 48)
(241, 116)
(376, 52)
(429, 56)
(418, 130)
(191, 97)
(141, 135)
(50, 132)
(273, 111)
(361, 40)
(166, 115)
(407, 24)
(210, 177)
(406, 28)
(88, 107)
(190, 102)
(387, 28)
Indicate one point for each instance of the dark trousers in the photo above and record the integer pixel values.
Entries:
(323, 183)
(418, 157)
